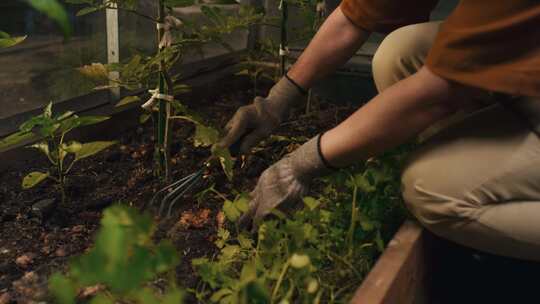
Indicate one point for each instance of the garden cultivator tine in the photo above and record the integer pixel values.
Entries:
(179, 192)
(165, 189)
(172, 193)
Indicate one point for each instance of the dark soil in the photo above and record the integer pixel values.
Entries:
(33, 245)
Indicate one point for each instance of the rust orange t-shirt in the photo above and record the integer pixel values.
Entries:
(489, 44)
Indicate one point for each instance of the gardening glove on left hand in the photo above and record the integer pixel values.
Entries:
(286, 182)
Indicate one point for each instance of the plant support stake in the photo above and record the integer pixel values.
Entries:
(283, 47)
(164, 108)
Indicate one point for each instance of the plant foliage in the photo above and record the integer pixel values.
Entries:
(316, 254)
(123, 261)
(62, 155)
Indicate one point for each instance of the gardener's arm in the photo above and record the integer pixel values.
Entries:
(335, 42)
(391, 118)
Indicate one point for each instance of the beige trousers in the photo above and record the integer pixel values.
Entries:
(475, 180)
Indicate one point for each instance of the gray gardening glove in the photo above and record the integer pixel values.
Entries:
(253, 123)
(286, 182)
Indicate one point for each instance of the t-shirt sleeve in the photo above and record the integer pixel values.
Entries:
(493, 45)
(384, 16)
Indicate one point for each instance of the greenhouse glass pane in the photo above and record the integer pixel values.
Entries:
(138, 35)
(43, 67)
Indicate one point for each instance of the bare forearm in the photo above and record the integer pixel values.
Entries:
(391, 118)
(336, 41)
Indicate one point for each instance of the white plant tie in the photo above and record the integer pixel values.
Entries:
(280, 7)
(150, 104)
(283, 51)
(170, 23)
(321, 7)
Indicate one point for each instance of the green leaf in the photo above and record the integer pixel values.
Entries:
(14, 139)
(54, 10)
(72, 147)
(225, 159)
(366, 223)
(64, 115)
(47, 111)
(8, 41)
(42, 146)
(205, 136)
(62, 289)
(245, 242)
(312, 286)
(75, 121)
(299, 260)
(379, 241)
(311, 202)
(363, 184)
(220, 294)
(144, 117)
(231, 212)
(33, 178)
(181, 89)
(89, 149)
(89, 10)
(127, 100)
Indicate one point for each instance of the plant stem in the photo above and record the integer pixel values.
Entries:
(162, 106)
(279, 281)
(354, 214)
(133, 12)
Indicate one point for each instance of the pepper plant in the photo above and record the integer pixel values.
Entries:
(62, 155)
(154, 71)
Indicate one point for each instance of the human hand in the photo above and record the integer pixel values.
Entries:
(255, 122)
(285, 183)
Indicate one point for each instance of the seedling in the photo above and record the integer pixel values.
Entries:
(62, 155)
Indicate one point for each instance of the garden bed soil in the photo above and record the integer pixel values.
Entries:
(35, 244)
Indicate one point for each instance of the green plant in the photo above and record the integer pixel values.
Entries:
(316, 254)
(62, 154)
(121, 265)
(155, 71)
(7, 40)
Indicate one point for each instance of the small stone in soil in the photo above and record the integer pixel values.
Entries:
(25, 260)
(77, 228)
(90, 291)
(30, 288)
(60, 252)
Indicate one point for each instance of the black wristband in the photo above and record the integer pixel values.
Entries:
(302, 90)
(324, 161)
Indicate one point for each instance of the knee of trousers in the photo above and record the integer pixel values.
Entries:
(436, 209)
(402, 53)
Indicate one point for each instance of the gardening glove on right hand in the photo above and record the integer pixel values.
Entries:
(253, 123)
(286, 182)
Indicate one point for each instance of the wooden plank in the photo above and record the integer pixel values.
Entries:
(398, 276)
